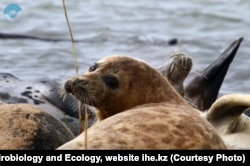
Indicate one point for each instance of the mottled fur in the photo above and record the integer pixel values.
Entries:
(27, 127)
(143, 112)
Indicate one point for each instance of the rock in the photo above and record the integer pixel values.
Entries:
(27, 127)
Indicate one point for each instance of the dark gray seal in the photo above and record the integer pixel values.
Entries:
(170, 42)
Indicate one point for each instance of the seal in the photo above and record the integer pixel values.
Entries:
(137, 108)
(27, 127)
(5, 36)
(46, 95)
(176, 70)
(202, 91)
(226, 115)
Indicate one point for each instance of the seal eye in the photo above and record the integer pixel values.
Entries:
(111, 82)
(93, 68)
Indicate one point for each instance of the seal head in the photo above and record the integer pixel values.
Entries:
(115, 83)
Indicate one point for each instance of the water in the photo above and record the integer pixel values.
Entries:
(140, 28)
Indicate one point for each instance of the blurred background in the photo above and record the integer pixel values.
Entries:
(139, 28)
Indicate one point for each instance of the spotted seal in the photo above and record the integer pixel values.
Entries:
(27, 127)
(137, 108)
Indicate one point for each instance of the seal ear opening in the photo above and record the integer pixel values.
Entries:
(226, 111)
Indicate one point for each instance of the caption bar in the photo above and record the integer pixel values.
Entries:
(129, 157)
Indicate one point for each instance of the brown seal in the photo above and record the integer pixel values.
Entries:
(116, 83)
(28, 127)
(139, 109)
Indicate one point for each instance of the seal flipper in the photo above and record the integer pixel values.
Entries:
(176, 69)
(226, 113)
(203, 90)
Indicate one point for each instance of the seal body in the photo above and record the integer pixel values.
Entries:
(27, 127)
(150, 126)
(137, 108)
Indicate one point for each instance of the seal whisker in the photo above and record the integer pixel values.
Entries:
(61, 91)
(95, 102)
(172, 68)
(87, 97)
(190, 101)
(91, 100)
(64, 96)
(183, 61)
(83, 98)
(199, 74)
